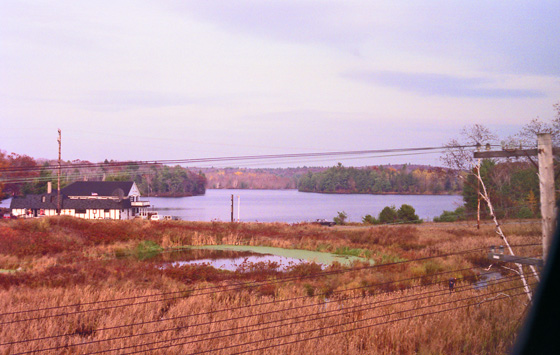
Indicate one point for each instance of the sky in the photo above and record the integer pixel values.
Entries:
(154, 80)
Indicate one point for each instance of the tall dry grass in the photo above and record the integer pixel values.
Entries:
(405, 322)
(66, 261)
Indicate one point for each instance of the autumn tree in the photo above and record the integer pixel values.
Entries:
(3, 165)
(19, 180)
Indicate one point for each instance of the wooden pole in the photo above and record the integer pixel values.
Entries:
(546, 184)
(232, 208)
(59, 165)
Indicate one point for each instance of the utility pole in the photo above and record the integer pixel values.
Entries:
(546, 184)
(544, 152)
(231, 208)
(59, 166)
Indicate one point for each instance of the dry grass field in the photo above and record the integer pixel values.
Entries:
(72, 286)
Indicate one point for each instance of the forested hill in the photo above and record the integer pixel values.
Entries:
(258, 178)
(403, 179)
(154, 180)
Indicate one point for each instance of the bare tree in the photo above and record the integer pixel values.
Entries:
(459, 155)
(459, 152)
(527, 137)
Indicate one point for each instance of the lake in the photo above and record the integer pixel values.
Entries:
(292, 206)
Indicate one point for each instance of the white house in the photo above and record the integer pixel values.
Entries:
(85, 199)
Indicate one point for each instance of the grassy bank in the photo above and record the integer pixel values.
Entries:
(122, 300)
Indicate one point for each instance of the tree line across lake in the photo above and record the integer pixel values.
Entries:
(153, 180)
(403, 179)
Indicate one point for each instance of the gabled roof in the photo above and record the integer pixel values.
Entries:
(98, 188)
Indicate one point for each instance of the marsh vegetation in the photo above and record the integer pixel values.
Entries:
(99, 287)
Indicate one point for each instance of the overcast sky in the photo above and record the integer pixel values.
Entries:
(144, 80)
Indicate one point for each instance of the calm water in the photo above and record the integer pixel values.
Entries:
(244, 263)
(278, 258)
(292, 206)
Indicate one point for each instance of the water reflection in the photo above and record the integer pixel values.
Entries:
(485, 278)
(246, 263)
(200, 254)
(245, 258)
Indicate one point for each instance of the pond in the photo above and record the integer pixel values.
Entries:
(243, 257)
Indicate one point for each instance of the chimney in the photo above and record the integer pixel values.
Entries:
(49, 187)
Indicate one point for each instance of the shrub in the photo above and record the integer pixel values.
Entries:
(446, 216)
(452, 216)
(369, 219)
(309, 290)
(525, 212)
(147, 249)
(341, 218)
(407, 214)
(388, 215)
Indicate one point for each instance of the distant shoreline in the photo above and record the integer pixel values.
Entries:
(385, 193)
(314, 192)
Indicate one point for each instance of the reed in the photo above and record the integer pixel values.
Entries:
(403, 308)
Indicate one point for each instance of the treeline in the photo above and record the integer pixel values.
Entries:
(513, 188)
(155, 180)
(240, 178)
(161, 180)
(381, 180)
(257, 178)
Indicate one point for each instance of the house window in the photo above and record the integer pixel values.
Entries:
(43, 198)
(52, 199)
(80, 211)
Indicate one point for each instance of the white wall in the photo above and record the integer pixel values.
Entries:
(90, 213)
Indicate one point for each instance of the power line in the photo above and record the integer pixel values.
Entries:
(323, 328)
(269, 303)
(503, 280)
(222, 288)
(367, 326)
(237, 158)
(356, 308)
(255, 284)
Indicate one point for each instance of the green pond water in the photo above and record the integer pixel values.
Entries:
(291, 254)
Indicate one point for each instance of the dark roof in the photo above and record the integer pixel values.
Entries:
(36, 201)
(101, 188)
(77, 204)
